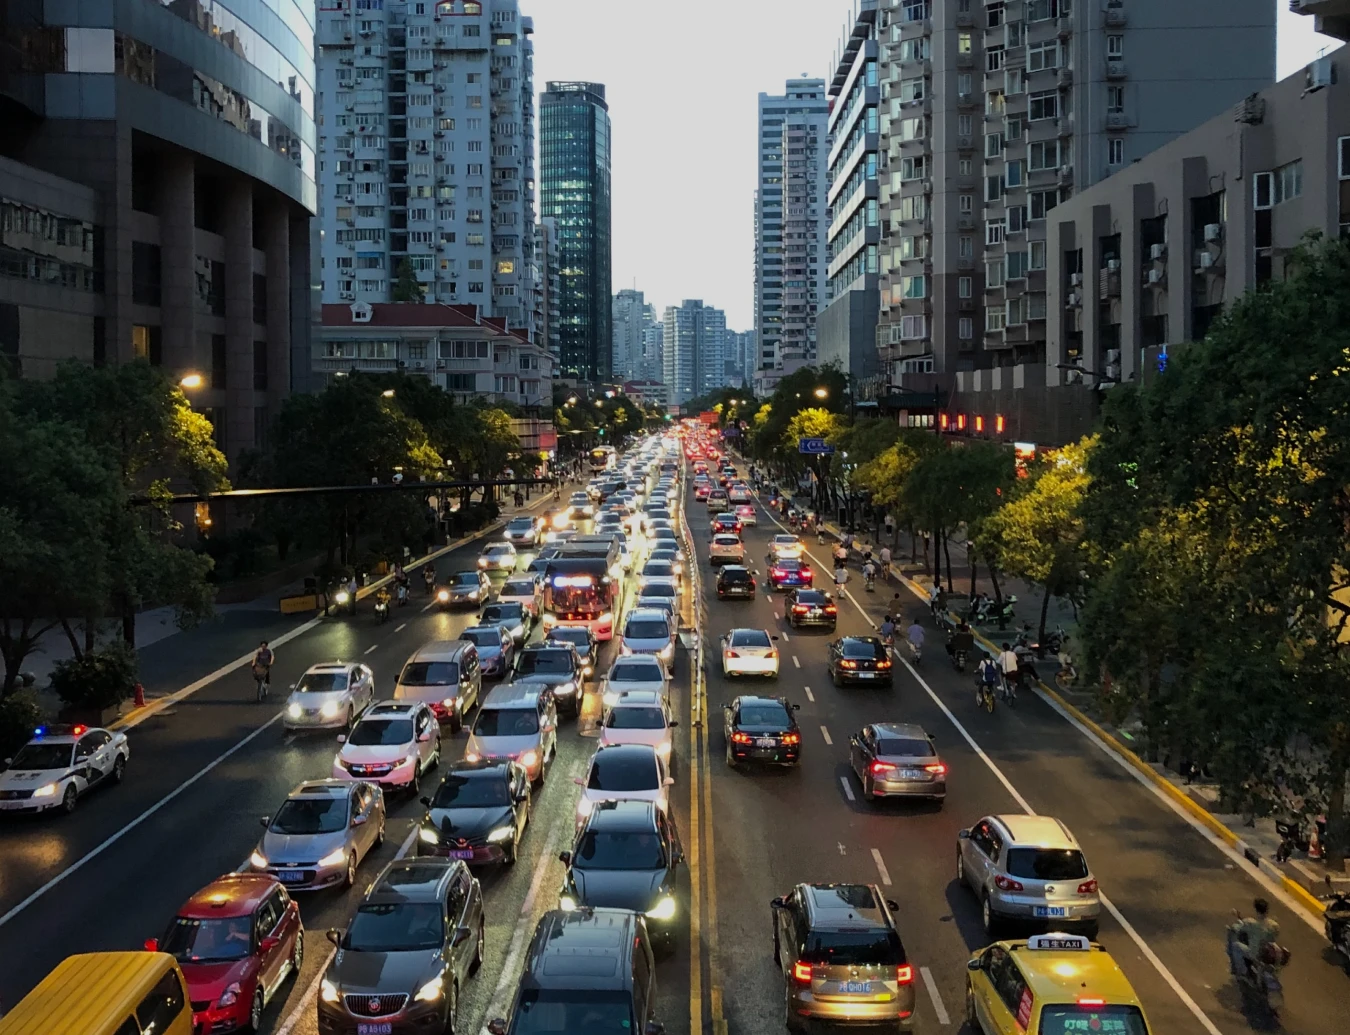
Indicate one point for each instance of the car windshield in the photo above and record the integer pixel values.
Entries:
(574, 634)
(506, 722)
(476, 791)
(1059, 1019)
(789, 564)
(908, 746)
(646, 629)
(520, 524)
(634, 717)
(321, 682)
(552, 1012)
(726, 540)
(518, 588)
(811, 596)
(750, 638)
(623, 771)
(430, 673)
(619, 850)
(635, 672)
(42, 756)
(200, 941)
(464, 578)
(483, 637)
(666, 555)
(853, 948)
(658, 569)
(395, 927)
(326, 815)
(658, 589)
(498, 550)
(764, 714)
(545, 663)
(785, 540)
(376, 731)
(1047, 863)
(502, 613)
(863, 649)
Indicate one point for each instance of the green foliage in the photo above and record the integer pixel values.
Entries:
(795, 392)
(99, 679)
(20, 714)
(406, 287)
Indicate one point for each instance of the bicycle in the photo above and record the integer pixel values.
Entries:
(263, 680)
(1008, 687)
(984, 696)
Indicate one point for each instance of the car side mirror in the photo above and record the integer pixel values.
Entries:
(892, 905)
(853, 741)
(461, 935)
(796, 707)
(264, 821)
(8, 761)
(81, 759)
(496, 1026)
(269, 944)
(342, 738)
(424, 737)
(963, 835)
(522, 796)
(777, 903)
(670, 781)
(335, 936)
(674, 723)
(565, 858)
(359, 821)
(975, 964)
(152, 945)
(425, 801)
(291, 687)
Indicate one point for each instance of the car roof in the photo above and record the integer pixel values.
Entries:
(845, 906)
(624, 752)
(1037, 831)
(871, 641)
(901, 729)
(762, 699)
(649, 660)
(637, 698)
(809, 591)
(325, 788)
(440, 650)
(331, 666)
(1067, 975)
(646, 612)
(234, 894)
(629, 815)
(582, 949)
(391, 709)
(411, 880)
(513, 695)
(479, 767)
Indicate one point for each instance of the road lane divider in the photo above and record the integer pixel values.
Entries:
(372, 648)
(825, 732)
(400, 628)
(848, 788)
(881, 867)
(108, 842)
(809, 695)
(795, 662)
(312, 989)
(935, 996)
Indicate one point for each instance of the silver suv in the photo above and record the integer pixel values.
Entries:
(1029, 869)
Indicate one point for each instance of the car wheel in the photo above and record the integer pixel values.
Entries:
(867, 789)
(255, 1011)
(1089, 930)
(731, 758)
(379, 837)
(479, 950)
(350, 879)
(452, 1009)
(298, 953)
(351, 717)
(435, 758)
(509, 854)
(960, 867)
(790, 1019)
(972, 1018)
(119, 769)
(989, 918)
(456, 722)
(68, 799)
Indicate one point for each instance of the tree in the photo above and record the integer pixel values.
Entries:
(406, 287)
(1039, 531)
(814, 422)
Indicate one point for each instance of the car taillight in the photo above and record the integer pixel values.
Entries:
(1087, 887)
(831, 610)
(773, 653)
(1007, 883)
(806, 573)
(800, 609)
(883, 664)
(740, 738)
(1091, 1002)
(939, 768)
(792, 738)
(882, 767)
(730, 654)
(801, 973)
(848, 664)
(904, 974)
(778, 573)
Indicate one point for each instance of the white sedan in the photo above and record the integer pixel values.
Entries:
(59, 765)
(639, 717)
(635, 672)
(786, 546)
(749, 652)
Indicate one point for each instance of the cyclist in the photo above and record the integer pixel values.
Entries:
(869, 571)
(1008, 664)
(429, 577)
(988, 679)
(914, 634)
(885, 563)
(262, 668)
(887, 630)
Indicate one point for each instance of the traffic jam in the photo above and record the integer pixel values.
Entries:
(581, 616)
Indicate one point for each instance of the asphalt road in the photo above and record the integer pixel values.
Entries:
(203, 772)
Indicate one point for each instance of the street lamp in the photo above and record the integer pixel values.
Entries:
(821, 393)
(571, 400)
(388, 393)
(191, 381)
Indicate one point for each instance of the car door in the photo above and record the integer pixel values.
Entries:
(422, 725)
(456, 906)
(861, 750)
(369, 677)
(992, 1012)
(982, 855)
(93, 759)
(268, 944)
(363, 806)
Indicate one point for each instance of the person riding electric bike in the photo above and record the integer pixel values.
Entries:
(914, 635)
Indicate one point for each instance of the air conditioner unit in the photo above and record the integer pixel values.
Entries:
(1073, 298)
(1204, 260)
(1321, 73)
(1213, 231)
(419, 364)
(1075, 279)
(1155, 276)
(1157, 251)
(1113, 264)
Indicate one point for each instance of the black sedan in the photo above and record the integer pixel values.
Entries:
(626, 856)
(860, 660)
(478, 813)
(726, 522)
(735, 580)
(761, 729)
(580, 637)
(789, 572)
(810, 607)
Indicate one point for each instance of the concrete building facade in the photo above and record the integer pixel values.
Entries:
(157, 184)
(790, 214)
(427, 153)
(633, 318)
(546, 258)
(1144, 261)
(693, 349)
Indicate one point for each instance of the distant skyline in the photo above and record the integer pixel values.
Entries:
(682, 85)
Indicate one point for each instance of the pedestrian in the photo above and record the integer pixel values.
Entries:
(351, 592)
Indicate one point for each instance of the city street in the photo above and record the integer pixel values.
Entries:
(205, 769)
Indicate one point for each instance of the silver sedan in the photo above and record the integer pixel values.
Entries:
(321, 833)
(897, 760)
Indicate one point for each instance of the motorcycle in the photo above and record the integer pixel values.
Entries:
(1336, 920)
(1257, 981)
(401, 594)
(915, 652)
(1294, 835)
(959, 660)
(382, 611)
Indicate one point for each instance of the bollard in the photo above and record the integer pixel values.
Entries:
(138, 692)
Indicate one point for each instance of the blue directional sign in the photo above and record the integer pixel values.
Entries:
(815, 446)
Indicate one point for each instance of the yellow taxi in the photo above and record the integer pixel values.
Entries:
(1051, 984)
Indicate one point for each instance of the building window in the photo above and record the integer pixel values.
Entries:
(1044, 105)
(146, 344)
(1288, 181)
(145, 273)
(993, 273)
(1042, 201)
(993, 231)
(965, 287)
(1012, 174)
(1115, 151)
(963, 43)
(1041, 56)
(912, 327)
(993, 319)
(1115, 100)
(1037, 255)
(1040, 10)
(994, 14)
(993, 59)
(965, 328)
(965, 246)
(993, 187)
(1115, 46)
(259, 298)
(219, 361)
(914, 287)
(1343, 158)
(260, 366)
(1017, 219)
(966, 203)
(965, 167)
(993, 145)
(1043, 154)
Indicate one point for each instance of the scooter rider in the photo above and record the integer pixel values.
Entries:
(1254, 936)
(1008, 665)
(961, 641)
(915, 635)
(429, 578)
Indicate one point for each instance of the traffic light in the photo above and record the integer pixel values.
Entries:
(602, 432)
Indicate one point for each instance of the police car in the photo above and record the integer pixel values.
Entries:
(59, 764)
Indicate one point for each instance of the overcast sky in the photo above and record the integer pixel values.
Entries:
(682, 81)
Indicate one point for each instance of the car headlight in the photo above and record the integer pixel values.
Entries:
(328, 991)
(257, 860)
(585, 807)
(45, 791)
(502, 834)
(567, 903)
(473, 594)
(586, 670)
(431, 991)
(610, 698)
(429, 836)
(565, 689)
(334, 857)
(667, 652)
(663, 748)
(230, 995)
(663, 910)
(482, 562)
(293, 710)
(625, 649)
(442, 595)
(529, 758)
(448, 704)
(329, 709)
(341, 596)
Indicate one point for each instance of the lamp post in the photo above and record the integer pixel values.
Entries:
(191, 381)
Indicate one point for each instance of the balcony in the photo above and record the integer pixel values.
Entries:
(1115, 14)
(1115, 70)
(1064, 77)
(1117, 120)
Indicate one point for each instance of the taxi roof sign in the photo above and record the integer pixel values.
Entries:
(1060, 942)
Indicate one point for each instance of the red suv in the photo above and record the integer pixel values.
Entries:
(237, 940)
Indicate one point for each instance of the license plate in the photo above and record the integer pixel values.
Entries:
(1049, 910)
(290, 876)
(858, 987)
(765, 742)
(375, 1028)
(867, 675)
(462, 853)
(910, 774)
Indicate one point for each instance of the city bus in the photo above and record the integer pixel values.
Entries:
(580, 591)
(603, 458)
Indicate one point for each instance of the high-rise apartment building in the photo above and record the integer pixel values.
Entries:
(427, 153)
(652, 337)
(633, 316)
(546, 258)
(157, 186)
(693, 349)
(575, 192)
(994, 113)
(790, 224)
(1332, 16)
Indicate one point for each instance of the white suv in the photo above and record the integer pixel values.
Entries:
(392, 744)
(726, 548)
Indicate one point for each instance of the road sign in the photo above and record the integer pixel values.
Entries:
(815, 446)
